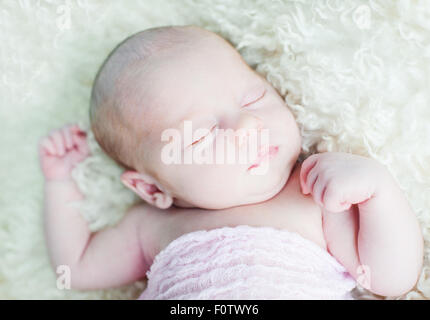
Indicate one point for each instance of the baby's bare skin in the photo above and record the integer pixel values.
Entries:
(348, 205)
(122, 254)
(288, 210)
(378, 231)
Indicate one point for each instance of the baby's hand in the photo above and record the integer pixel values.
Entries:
(338, 180)
(61, 151)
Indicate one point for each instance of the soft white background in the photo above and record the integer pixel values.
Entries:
(355, 73)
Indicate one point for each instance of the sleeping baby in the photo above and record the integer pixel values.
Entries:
(221, 229)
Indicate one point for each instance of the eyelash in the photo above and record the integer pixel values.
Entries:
(216, 125)
(255, 100)
(204, 137)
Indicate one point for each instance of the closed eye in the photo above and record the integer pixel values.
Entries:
(210, 133)
(254, 97)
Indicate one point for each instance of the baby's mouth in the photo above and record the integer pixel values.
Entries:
(265, 154)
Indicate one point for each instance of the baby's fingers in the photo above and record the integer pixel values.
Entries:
(46, 146)
(57, 138)
(319, 190)
(75, 129)
(334, 201)
(79, 139)
(67, 135)
(306, 168)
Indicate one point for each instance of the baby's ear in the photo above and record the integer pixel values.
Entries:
(146, 188)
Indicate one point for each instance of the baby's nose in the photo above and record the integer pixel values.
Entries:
(247, 129)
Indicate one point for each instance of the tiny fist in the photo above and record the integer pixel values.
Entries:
(337, 206)
(303, 187)
(62, 150)
(306, 167)
(76, 129)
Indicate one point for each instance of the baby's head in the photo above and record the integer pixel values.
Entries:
(174, 78)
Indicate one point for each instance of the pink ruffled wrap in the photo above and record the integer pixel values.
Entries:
(246, 263)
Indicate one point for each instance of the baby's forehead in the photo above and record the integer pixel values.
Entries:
(174, 82)
(174, 85)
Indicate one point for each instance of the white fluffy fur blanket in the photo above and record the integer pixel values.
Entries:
(355, 74)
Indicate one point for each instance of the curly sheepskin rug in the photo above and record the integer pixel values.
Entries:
(354, 73)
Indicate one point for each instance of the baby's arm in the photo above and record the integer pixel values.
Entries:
(108, 258)
(368, 224)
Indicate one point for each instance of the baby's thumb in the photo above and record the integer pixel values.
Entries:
(303, 187)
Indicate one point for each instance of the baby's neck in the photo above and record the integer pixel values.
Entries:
(267, 213)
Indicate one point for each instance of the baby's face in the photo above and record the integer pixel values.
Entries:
(212, 88)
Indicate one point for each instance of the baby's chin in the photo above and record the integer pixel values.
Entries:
(260, 194)
(264, 193)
